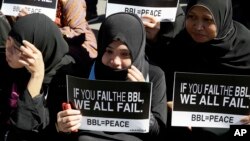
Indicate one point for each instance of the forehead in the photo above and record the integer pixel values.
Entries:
(116, 44)
(201, 10)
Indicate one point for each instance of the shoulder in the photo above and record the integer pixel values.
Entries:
(155, 73)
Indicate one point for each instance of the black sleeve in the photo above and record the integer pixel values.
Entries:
(31, 113)
(158, 103)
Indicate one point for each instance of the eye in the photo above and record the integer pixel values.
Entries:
(125, 54)
(191, 17)
(109, 51)
(208, 20)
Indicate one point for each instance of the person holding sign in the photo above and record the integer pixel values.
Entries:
(161, 33)
(38, 57)
(212, 42)
(122, 58)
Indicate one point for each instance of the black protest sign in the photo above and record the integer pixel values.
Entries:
(202, 96)
(13, 7)
(162, 10)
(105, 100)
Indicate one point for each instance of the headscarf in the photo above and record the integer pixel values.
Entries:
(45, 35)
(231, 47)
(228, 53)
(129, 29)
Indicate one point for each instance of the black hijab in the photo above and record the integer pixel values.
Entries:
(231, 48)
(45, 35)
(129, 29)
(228, 53)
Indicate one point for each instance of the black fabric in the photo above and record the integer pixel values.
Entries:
(228, 53)
(104, 72)
(158, 110)
(52, 46)
(168, 30)
(116, 27)
(34, 118)
(134, 36)
(240, 12)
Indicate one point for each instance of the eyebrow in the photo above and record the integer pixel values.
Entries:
(110, 47)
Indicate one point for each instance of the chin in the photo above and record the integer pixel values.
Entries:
(200, 40)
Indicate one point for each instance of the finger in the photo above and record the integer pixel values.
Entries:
(149, 17)
(136, 73)
(23, 62)
(245, 120)
(149, 25)
(76, 127)
(149, 21)
(25, 10)
(29, 59)
(131, 77)
(30, 45)
(136, 70)
(72, 128)
(71, 123)
(28, 56)
(26, 51)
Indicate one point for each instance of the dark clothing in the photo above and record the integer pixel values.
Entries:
(240, 12)
(158, 109)
(91, 6)
(34, 118)
(33, 114)
(228, 53)
(115, 28)
(167, 33)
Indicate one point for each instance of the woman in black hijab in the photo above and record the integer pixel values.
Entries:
(210, 43)
(121, 56)
(36, 86)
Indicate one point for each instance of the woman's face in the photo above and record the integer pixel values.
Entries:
(12, 53)
(200, 24)
(117, 56)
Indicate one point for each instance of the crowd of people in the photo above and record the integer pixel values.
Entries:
(37, 54)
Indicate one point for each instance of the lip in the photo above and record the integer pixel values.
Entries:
(198, 36)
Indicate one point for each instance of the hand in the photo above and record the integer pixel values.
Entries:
(69, 120)
(152, 26)
(135, 75)
(245, 120)
(64, 2)
(23, 12)
(32, 59)
(170, 105)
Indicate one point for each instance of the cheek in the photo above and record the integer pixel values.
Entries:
(13, 62)
(105, 59)
(126, 63)
(189, 27)
(212, 32)
(12, 58)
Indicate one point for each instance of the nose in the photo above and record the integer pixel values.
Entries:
(115, 62)
(198, 25)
